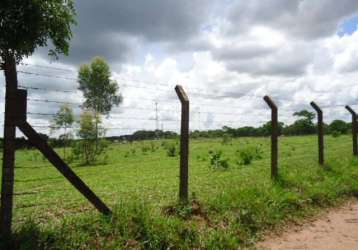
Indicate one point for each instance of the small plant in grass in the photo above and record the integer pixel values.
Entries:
(186, 210)
(153, 148)
(145, 149)
(248, 154)
(217, 161)
(172, 150)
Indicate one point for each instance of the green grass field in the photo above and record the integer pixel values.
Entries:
(229, 208)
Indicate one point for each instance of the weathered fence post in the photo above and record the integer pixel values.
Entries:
(18, 118)
(7, 180)
(354, 129)
(274, 137)
(320, 132)
(184, 144)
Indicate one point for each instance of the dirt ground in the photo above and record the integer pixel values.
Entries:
(335, 230)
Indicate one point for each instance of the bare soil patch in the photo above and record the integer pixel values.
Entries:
(336, 229)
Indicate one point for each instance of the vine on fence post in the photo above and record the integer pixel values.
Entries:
(184, 144)
(319, 132)
(274, 136)
(354, 129)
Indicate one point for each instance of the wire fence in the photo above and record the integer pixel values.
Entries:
(144, 168)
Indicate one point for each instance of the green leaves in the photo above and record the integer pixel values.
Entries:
(64, 117)
(28, 24)
(99, 90)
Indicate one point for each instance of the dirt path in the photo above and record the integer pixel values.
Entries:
(336, 230)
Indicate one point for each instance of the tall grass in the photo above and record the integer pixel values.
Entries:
(228, 209)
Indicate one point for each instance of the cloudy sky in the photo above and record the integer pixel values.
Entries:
(227, 55)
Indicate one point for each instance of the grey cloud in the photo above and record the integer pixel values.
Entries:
(242, 52)
(114, 29)
(283, 61)
(300, 18)
(155, 20)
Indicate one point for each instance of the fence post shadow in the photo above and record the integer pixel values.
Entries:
(274, 136)
(320, 132)
(184, 145)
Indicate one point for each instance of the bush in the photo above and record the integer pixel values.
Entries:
(89, 152)
(336, 133)
(216, 160)
(171, 150)
(145, 149)
(247, 155)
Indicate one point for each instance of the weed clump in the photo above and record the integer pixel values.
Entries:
(217, 161)
(171, 149)
(248, 154)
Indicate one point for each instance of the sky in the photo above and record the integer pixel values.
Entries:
(226, 54)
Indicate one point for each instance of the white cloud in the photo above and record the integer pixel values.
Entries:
(286, 49)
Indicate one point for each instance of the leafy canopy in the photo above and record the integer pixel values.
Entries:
(87, 124)
(64, 117)
(99, 90)
(27, 24)
(306, 115)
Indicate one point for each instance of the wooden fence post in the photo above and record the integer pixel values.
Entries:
(320, 132)
(7, 180)
(274, 136)
(354, 129)
(19, 119)
(184, 144)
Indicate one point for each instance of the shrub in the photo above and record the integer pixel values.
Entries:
(171, 150)
(216, 160)
(89, 152)
(248, 154)
(336, 133)
(145, 149)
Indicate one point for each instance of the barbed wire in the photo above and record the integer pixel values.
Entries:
(201, 94)
(140, 178)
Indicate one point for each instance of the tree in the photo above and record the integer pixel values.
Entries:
(24, 26)
(88, 148)
(305, 114)
(64, 118)
(28, 24)
(266, 129)
(302, 126)
(99, 90)
(338, 126)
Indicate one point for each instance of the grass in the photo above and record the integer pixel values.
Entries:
(229, 208)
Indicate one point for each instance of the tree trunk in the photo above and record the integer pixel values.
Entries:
(64, 144)
(7, 184)
(96, 124)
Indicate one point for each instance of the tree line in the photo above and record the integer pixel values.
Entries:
(304, 125)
